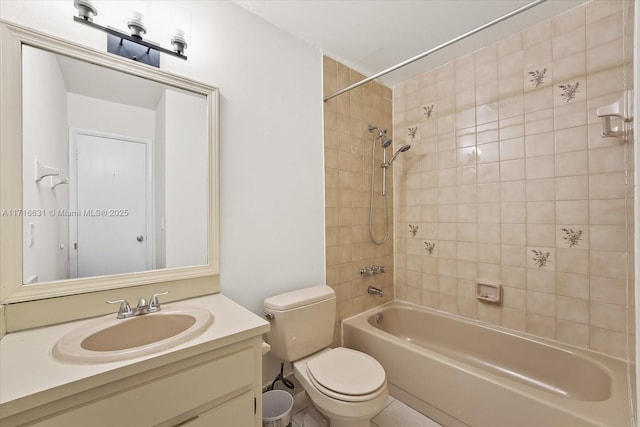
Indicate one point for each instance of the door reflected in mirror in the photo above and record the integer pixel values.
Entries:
(115, 171)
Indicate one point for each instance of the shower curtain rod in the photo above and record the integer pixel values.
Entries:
(435, 49)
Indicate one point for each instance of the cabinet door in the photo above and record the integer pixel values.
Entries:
(237, 412)
(162, 399)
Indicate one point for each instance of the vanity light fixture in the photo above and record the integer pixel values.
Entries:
(132, 45)
(86, 9)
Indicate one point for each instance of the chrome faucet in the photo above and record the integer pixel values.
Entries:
(143, 307)
(375, 291)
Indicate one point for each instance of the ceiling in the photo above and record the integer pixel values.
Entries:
(82, 77)
(373, 35)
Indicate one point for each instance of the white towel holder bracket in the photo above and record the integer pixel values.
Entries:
(43, 170)
(57, 181)
(622, 109)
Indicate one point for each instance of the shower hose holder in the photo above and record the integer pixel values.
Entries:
(622, 109)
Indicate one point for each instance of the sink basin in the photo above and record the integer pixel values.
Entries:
(108, 339)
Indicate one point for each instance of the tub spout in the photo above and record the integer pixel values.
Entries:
(375, 291)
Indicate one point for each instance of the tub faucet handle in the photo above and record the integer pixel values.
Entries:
(367, 271)
(377, 269)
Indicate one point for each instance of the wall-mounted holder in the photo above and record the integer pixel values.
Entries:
(489, 292)
(55, 181)
(622, 109)
(44, 170)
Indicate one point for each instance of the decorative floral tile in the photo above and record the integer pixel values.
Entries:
(569, 91)
(572, 237)
(542, 258)
(466, 156)
(428, 111)
(412, 132)
(413, 230)
(537, 77)
(429, 248)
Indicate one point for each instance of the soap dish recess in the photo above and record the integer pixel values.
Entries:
(489, 292)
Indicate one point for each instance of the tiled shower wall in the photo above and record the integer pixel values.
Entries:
(509, 182)
(347, 151)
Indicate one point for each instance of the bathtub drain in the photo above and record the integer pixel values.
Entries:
(379, 318)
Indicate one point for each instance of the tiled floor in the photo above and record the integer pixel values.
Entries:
(395, 414)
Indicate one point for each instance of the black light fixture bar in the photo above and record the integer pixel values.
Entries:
(124, 36)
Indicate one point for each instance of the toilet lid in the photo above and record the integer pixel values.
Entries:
(347, 372)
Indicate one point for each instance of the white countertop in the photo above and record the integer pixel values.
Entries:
(27, 368)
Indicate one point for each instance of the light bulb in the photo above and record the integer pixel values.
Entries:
(136, 26)
(178, 42)
(86, 9)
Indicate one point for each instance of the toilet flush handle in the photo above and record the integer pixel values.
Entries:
(268, 316)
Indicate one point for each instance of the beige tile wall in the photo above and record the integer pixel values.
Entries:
(347, 153)
(510, 182)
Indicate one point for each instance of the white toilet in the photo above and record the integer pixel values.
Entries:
(347, 386)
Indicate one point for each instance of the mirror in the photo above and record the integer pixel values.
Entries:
(115, 171)
(118, 169)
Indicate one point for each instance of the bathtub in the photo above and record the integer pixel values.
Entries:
(464, 373)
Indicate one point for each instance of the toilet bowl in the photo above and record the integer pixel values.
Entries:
(347, 386)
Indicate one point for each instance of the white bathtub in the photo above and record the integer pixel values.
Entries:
(464, 373)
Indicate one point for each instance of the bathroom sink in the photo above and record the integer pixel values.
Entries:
(108, 339)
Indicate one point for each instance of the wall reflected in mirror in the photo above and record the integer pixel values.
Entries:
(115, 171)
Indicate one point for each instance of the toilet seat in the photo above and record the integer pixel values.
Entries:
(347, 375)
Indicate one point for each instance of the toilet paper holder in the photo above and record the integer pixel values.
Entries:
(621, 109)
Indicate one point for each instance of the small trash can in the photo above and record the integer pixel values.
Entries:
(276, 408)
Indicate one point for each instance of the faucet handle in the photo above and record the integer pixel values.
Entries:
(154, 304)
(367, 271)
(125, 309)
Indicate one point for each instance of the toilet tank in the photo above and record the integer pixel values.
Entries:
(302, 322)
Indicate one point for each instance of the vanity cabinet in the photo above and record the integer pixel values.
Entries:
(231, 413)
(215, 388)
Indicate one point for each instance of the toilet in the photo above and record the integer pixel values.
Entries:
(347, 386)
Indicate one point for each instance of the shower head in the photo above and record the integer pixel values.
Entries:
(396, 154)
(382, 136)
(385, 140)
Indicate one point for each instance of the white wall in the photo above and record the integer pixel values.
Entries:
(45, 138)
(271, 153)
(110, 117)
